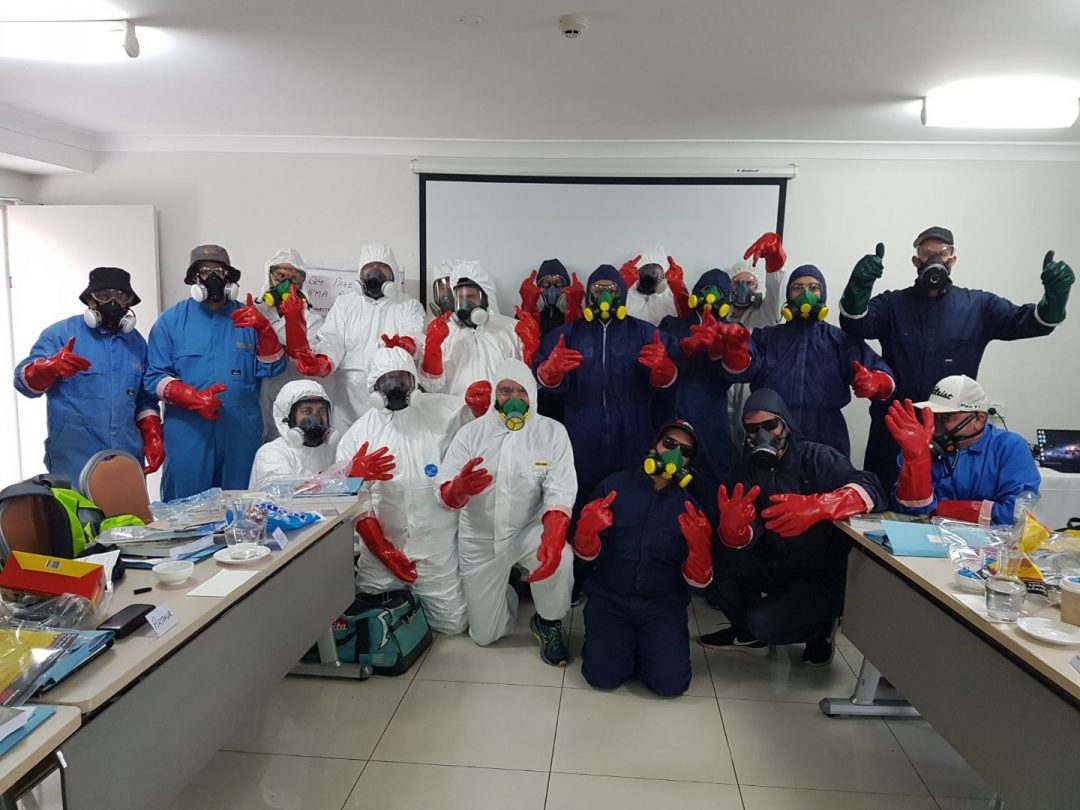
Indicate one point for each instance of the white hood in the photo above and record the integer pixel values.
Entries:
(512, 369)
(654, 254)
(282, 256)
(474, 271)
(386, 360)
(378, 253)
(290, 394)
(745, 267)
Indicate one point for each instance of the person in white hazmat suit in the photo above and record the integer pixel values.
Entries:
(354, 330)
(516, 514)
(302, 414)
(285, 276)
(651, 292)
(466, 345)
(408, 540)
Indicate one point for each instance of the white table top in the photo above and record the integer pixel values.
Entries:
(129, 657)
(1048, 473)
(42, 741)
(934, 575)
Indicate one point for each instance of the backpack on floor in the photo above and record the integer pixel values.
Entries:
(71, 520)
(386, 631)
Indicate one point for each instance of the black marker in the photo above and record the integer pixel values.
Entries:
(142, 590)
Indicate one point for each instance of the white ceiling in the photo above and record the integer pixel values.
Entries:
(746, 70)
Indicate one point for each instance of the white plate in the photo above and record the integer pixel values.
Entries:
(1050, 631)
(224, 557)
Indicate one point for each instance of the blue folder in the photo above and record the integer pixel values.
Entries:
(40, 715)
(912, 539)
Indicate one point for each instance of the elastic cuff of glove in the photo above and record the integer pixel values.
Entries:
(147, 414)
(161, 386)
(581, 556)
(736, 363)
(866, 499)
(912, 500)
(35, 389)
(695, 583)
(547, 382)
(1047, 319)
(845, 311)
(663, 378)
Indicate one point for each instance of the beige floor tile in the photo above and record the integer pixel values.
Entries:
(256, 781)
(322, 717)
(513, 660)
(794, 745)
(473, 724)
(399, 786)
(764, 798)
(780, 676)
(841, 639)
(579, 792)
(853, 657)
(965, 804)
(625, 734)
(942, 769)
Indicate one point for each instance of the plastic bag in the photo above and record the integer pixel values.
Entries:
(206, 507)
(331, 481)
(30, 612)
(281, 518)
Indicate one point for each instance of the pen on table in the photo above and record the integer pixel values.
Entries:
(142, 590)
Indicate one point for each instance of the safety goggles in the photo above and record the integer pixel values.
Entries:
(671, 443)
(285, 272)
(205, 272)
(926, 254)
(769, 425)
(552, 281)
(120, 297)
(601, 287)
(512, 391)
(815, 288)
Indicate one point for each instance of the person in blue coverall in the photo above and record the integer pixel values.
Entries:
(781, 580)
(649, 539)
(606, 366)
(814, 365)
(700, 393)
(207, 356)
(935, 329)
(90, 368)
(952, 463)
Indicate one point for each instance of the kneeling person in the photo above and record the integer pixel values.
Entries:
(517, 514)
(649, 539)
(302, 416)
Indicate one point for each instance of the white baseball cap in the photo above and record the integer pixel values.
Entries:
(957, 394)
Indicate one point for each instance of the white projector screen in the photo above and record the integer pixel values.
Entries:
(511, 224)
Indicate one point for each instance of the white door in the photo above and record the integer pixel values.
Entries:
(51, 250)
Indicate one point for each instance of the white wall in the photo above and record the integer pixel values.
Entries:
(16, 184)
(1005, 215)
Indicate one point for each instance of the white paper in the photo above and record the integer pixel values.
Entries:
(107, 560)
(278, 540)
(864, 524)
(161, 620)
(222, 583)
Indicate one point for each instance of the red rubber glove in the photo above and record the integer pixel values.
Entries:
(695, 528)
(629, 271)
(595, 517)
(204, 403)
(153, 443)
(575, 299)
(704, 336)
(437, 333)
(527, 329)
(313, 365)
(41, 374)
(552, 543)
(393, 558)
(970, 511)
(478, 397)
(769, 248)
(867, 384)
(530, 293)
(377, 466)
(736, 515)
(791, 515)
(294, 311)
(675, 280)
(915, 486)
(249, 317)
(400, 341)
(654, 357)
(472, 480)
(559, 362)
(735, 355)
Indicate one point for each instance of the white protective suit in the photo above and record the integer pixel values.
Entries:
(286, 458)
(271, 386)
(352, 334)
(471, 354)
(768, 314)
(405, 506)
(652, 308)
(501, 527)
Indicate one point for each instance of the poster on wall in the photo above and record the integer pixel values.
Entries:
(326, 280)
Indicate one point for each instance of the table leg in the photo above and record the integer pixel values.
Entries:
(871, 698)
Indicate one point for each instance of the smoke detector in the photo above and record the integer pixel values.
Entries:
(572, 25)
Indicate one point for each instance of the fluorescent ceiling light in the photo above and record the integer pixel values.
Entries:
(1019, 102)
(69, 41)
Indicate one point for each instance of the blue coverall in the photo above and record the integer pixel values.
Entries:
(199, 346)
(635, 617)
(95, 409)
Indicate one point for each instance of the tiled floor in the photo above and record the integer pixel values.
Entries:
(474, 728)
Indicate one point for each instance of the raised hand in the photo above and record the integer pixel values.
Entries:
(41, 374)
(595, 517)
(868, 384)
(205, 403)
(629, 271)
(696, 530)
(437, 332)
(737, 513)
(478, 397)
(527, 329)
(561, 360)
(530, 293)
(377, 466)
(575, 299)
(768, 247)
(472, 480)
(655, 358)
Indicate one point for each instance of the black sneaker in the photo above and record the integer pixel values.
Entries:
(818, 653)
(575, 595)
(729, 639)
(552, 640)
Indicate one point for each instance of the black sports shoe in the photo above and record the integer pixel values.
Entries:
(729, 639)
(818, 653)
(552, 640)
(575, 594)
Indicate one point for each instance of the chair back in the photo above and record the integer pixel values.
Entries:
(114, 481)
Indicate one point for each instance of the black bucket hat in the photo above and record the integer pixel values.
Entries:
(108, 278)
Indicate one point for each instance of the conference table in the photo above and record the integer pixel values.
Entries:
(152, 710)
(1007, 702)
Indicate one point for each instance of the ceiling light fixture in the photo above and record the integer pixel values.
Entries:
(69, 40)
(1017, 102)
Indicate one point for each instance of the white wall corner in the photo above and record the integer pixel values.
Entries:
(33, 145)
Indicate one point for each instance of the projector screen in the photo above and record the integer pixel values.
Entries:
(511, 224)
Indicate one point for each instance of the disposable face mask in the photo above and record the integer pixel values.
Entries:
(933, 275)
(514, 412)
(744, 296)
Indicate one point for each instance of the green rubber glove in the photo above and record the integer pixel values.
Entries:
(1057, 280)
(860, 286)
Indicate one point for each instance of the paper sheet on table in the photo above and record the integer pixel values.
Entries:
(108, 560)
(913, 539)
(222, 583)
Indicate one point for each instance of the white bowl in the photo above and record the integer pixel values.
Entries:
(173, 571)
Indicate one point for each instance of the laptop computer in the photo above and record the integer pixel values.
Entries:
(1059, 449)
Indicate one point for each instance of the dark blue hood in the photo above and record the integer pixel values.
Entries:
(607, 272)
(765, 399)
(711, 278)
(553, 267)
(808, 270)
